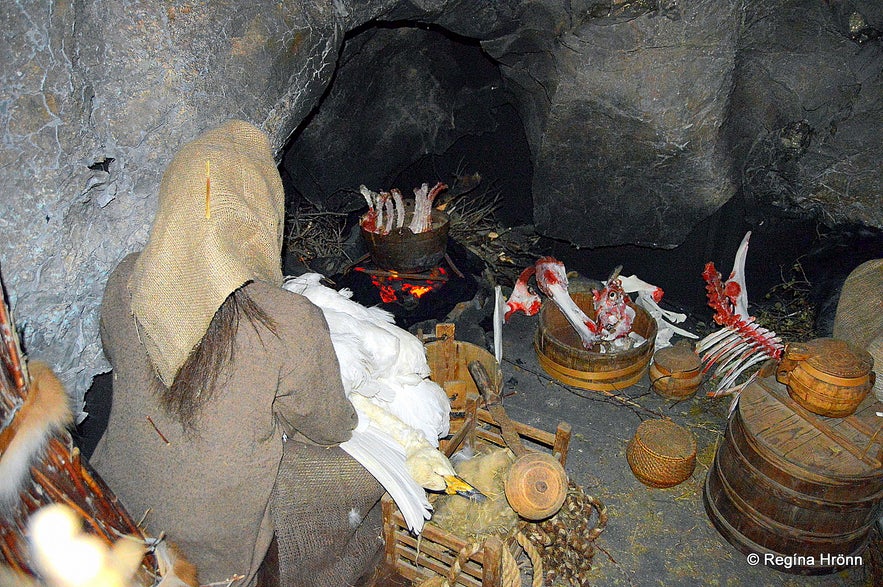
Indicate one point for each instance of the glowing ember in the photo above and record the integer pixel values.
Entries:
(416, 290)
(387, 293)
(405, 288)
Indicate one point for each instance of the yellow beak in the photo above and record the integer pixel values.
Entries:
(454, 484)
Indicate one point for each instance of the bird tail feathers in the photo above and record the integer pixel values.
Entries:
(385, 459)
(45, 411)
(174, 568)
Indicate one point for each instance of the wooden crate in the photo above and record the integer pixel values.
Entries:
(436, 550)
(449, 364)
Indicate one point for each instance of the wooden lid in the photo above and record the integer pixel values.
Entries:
(679, 358)
(832, 356)
(786, 432)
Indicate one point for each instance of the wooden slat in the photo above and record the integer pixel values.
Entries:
(818, 424)
(436, 550)
(561, 445)
(493, 551)
(388, 511)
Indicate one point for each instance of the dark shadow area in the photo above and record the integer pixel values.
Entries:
(99, 398)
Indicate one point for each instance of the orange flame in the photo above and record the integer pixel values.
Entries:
(418, 291)
(387, 292)
(391, 287)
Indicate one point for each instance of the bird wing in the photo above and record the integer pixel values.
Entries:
(423, 406)
(378, 359)
(385, 374)
(384, 458)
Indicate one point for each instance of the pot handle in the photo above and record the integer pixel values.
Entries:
(794, 354)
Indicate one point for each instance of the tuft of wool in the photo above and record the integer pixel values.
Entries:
(45, 411)
(355, 518)
(487, 471)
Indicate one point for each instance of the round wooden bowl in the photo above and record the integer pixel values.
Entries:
(827, 376)
(562, 355)
(676, 372)
(661, 454)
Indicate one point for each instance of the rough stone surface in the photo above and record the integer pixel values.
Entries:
(814, 89)
(645, 161)
(625, 107)
(402, 93)
(83, 83)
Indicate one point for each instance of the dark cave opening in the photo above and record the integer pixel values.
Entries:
(485, 135)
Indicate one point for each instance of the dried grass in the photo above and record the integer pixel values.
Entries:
(312, 233)
(472, 207)
(787, 308)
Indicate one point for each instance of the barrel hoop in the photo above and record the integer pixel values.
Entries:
(748, 546)
(599, 375)
(749, 446)
(768, 523)
(579, 379)
(789, 494)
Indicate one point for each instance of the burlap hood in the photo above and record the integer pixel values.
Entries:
(218, 225)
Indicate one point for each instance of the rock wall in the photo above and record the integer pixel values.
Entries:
(640, 116)
(96, 98)
(629, 148)
(811, 75)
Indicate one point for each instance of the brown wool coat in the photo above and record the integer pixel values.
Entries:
(209, 492)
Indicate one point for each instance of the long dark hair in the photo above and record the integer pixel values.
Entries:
(195, 384)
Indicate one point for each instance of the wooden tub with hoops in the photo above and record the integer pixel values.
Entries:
(440, 554)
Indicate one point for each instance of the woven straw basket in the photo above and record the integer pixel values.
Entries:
(661, 454)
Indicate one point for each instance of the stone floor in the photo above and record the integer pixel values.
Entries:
(654, 536)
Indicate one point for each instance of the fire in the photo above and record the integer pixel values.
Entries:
(394, 287)
(418, 291)
(387, 292)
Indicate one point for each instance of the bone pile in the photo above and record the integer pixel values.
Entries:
(741, 343)
(386, 210)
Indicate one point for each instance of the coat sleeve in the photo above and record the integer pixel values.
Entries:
(310, 399)
(114, 307)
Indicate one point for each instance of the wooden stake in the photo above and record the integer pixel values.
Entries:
(396, 274)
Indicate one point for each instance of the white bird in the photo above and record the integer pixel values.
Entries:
(402, 413)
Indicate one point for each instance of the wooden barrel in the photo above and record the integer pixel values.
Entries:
(676, 371)
(402, 250)
(562, 355)
(788, 483)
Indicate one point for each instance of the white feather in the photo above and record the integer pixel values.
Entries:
(384, 371)
(385, 460)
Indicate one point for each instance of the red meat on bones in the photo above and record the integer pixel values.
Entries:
(613, 316)
(386, 210)
(740, 343)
